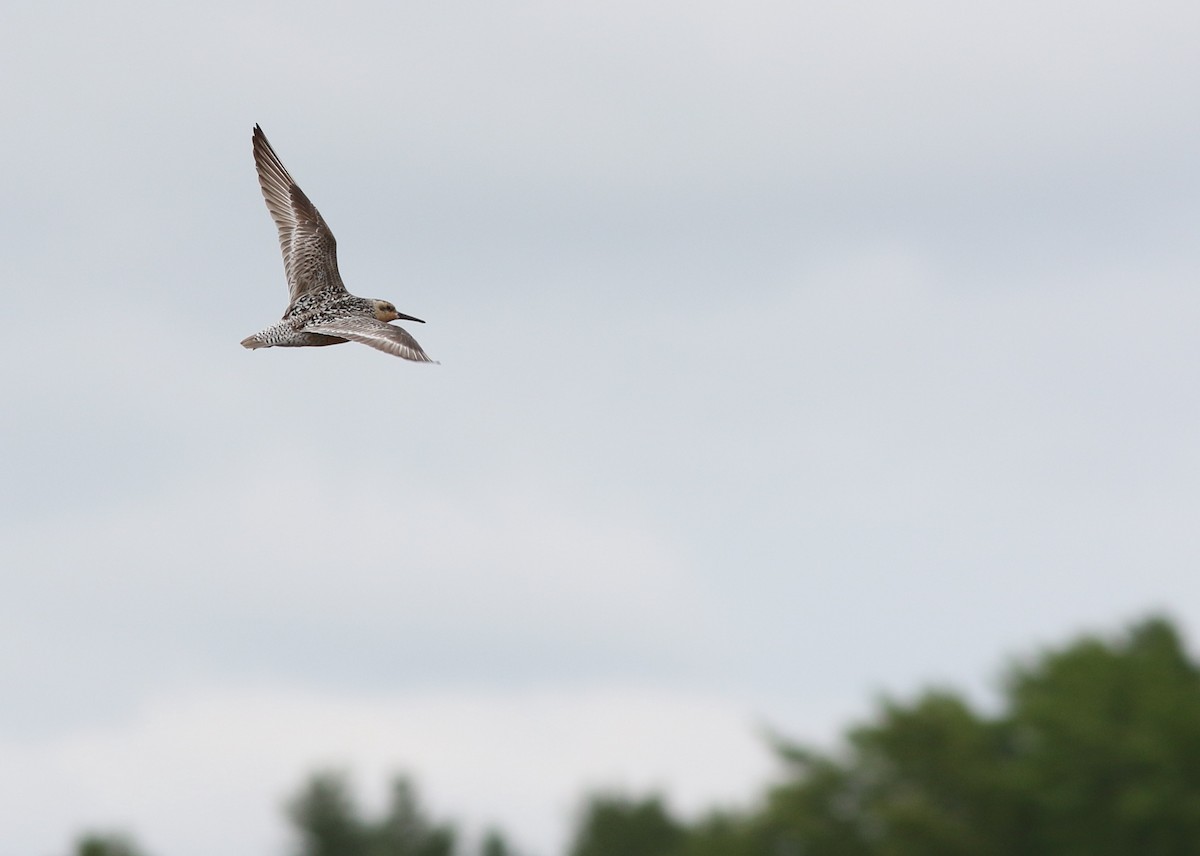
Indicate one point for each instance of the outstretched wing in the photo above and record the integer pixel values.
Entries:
(370, 331)
(309, 250)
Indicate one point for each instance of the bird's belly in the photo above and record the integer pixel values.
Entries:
(301, 339)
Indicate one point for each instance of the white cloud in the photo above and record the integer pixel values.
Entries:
(807, 351)
(265, 534)
(406, 582)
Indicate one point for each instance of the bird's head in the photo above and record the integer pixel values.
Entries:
(385, 311)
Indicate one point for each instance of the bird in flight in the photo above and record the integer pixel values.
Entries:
(320, 311)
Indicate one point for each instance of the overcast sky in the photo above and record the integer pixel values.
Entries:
(789, 355)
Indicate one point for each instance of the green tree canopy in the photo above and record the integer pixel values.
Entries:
(106, 844)
(1108, 739)
(1095, 752)
(616, 824)
(328, 822)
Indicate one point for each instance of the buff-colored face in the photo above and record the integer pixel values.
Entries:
(385, 311)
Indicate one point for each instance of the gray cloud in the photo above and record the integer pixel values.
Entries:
(784, 356)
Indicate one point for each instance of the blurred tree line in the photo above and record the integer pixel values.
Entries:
(1095, 751)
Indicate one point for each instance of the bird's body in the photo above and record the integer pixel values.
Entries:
(321, 311)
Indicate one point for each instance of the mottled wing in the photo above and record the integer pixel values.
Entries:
(370, 331)
(309, 250)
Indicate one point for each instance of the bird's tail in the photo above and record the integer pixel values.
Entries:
(254, 342)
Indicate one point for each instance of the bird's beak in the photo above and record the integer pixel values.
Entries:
(400, 316)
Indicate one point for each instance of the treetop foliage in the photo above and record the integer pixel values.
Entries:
(1095, 751)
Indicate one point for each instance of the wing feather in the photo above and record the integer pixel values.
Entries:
(309, 249)
(370, 331)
